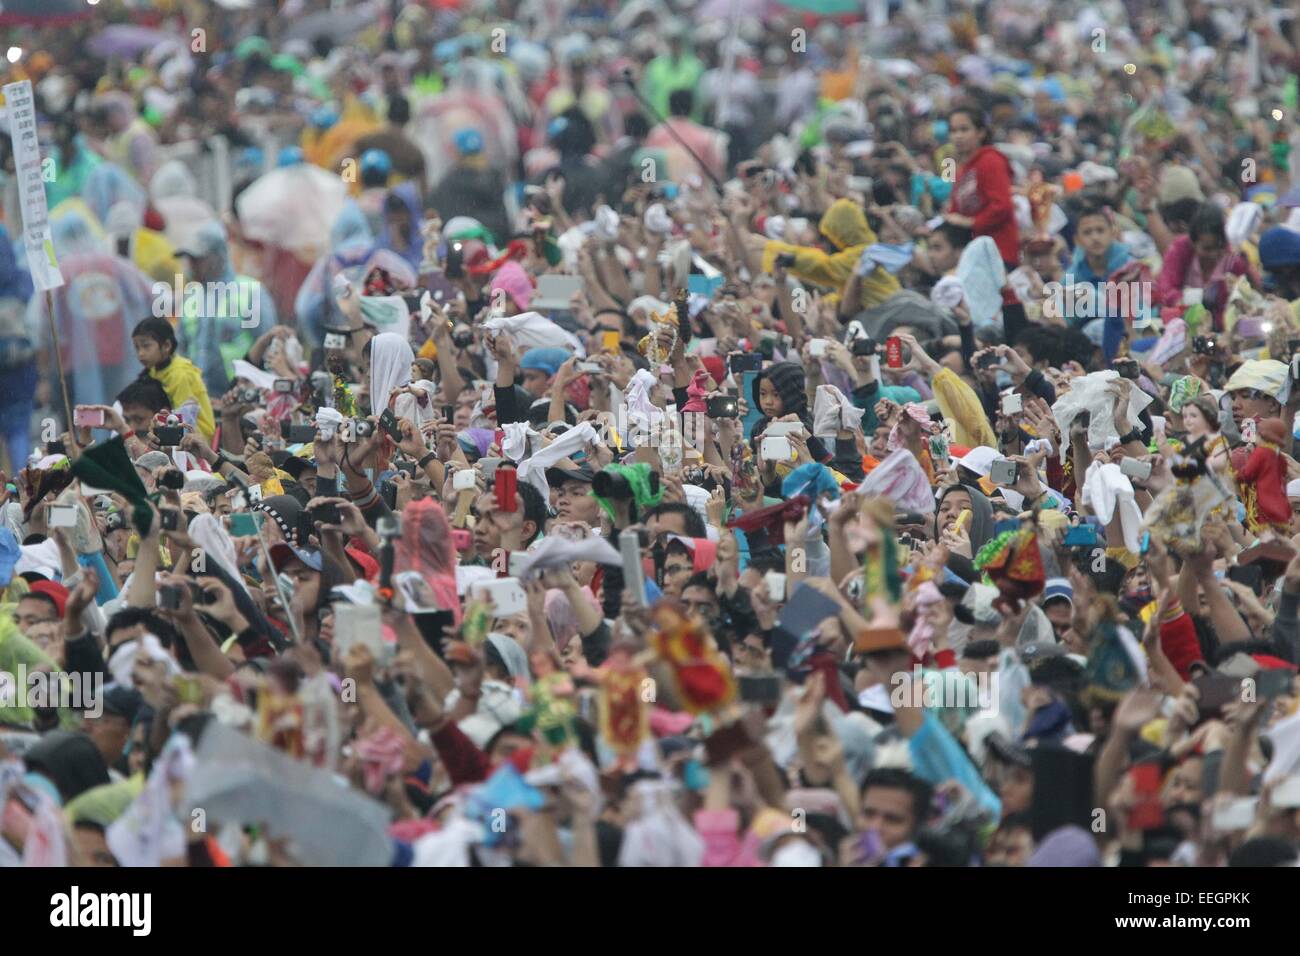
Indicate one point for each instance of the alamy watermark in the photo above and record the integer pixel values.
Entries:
(1069, 299)
(947, 688)
(233, 298)
(74, 690)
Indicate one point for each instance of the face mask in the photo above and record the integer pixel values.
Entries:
(797, 853)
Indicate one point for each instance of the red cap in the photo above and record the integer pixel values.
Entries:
(54, 591)
(366, 566)
(715, 367)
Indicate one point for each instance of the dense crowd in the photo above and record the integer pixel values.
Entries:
(642, 434)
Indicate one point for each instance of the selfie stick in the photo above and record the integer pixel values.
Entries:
(58, 361)
(659, 119)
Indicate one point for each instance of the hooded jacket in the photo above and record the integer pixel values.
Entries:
(789, 381)
(980, 529)
(845, 225)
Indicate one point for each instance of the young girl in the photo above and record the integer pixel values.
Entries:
(155, 348)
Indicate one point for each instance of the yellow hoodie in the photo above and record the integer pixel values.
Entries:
(845, 225)
(183, 382)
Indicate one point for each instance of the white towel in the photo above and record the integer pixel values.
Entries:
(532, 330)
(533, 469)
(982, 276)
(833, 412)
(1106, 488)
(1088, 393)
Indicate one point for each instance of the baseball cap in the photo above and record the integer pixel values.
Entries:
(468, 141)
(546, 360)
(207, 239)
(558, 475)
(123, 701)
(282, 554)
(1058, 588)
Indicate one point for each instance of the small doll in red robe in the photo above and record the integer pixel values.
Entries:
(1262, 480)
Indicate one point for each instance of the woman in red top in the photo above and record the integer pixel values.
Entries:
(981, 200)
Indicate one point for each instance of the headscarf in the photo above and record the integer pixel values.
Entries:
(410, 246)
(390, 367)
(426, 548)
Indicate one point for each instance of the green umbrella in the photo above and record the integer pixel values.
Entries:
(826, 7)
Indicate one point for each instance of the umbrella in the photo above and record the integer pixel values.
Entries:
(126, 40)
(827, 8)
(338, 25)
(438, 120)
(239, 780)
(44, 13)
(292, 207)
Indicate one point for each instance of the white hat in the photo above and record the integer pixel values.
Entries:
(979, 460)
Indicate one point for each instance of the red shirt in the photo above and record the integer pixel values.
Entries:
(983, 192)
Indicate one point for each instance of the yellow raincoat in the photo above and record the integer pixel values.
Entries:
(845, 225)
(961, 406)
(182, 381)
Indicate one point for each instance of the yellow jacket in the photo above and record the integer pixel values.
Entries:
(845, 225)
(183, 382)
(961, 406)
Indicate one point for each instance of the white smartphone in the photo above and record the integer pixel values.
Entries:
(254, 494)
(817, 348)
(629, 548)
(358, 624)
(1135, 468)
(1237, 814)
(336, 341)
(506, 594)
(1193, 296)
(775, 582)
(62, 516)
(464, 480)
(1013, 403)
(1287, 793)
(775, 449)
(783, 429)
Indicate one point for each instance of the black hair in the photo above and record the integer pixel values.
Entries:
(1264, 851)
(895, 778)
(42, 596)
(156, 625)
(1208, 220)
(394, 203)
(145, 393)
(700, 579)
(694, 524)
(977, 118)
(399, 110)
(978, 650)
(958, 236)
(955, 847)
(1020, 820)
(681, 102)
(160, 330)
(636, 126)
(767, 559)
(535, 508)
(1180, 210)
(1089, 204)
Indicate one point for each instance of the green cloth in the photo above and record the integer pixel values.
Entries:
(108, 466)
(638, 477)
(17, 650)
(103, 804)
(664, 76)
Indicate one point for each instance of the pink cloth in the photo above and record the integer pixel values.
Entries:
(513, 280)
(696, 391)
(382, 754)
(425, 547)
